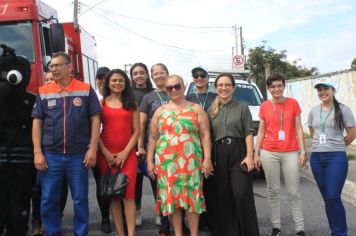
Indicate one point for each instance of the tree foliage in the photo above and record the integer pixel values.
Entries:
(353, 64)
(259, 56)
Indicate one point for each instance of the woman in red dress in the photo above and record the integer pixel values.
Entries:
(120, 123)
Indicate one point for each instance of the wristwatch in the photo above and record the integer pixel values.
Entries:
(302, 152)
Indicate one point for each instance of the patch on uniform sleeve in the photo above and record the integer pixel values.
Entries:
(51, 103)
(77, 101)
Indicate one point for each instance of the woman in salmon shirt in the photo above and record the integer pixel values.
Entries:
(280, 131)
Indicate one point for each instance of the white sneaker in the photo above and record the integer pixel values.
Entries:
(138, 218)
(158, 220)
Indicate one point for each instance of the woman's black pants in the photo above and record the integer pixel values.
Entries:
(235, 212)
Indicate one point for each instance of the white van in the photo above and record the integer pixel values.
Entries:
(246, 91)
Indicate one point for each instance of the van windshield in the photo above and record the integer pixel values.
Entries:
(245, 93)
(18, 36)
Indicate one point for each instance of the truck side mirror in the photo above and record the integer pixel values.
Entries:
(57, 38)
(47, 62)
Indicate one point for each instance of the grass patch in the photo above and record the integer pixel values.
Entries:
(351, 156)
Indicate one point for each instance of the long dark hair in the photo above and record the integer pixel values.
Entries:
(338, 118)
(127, 96)
(148, 81)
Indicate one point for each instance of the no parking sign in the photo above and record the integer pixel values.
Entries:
(238, 61)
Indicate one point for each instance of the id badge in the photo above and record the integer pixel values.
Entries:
(322, 138)
(281, 135)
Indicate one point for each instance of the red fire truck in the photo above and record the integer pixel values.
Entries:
(31, 28)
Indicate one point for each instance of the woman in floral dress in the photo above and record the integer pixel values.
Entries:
(180, 139)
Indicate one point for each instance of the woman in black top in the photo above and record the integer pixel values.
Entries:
(233, 162)
(141, 85)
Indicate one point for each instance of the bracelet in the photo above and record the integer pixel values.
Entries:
(302, 152)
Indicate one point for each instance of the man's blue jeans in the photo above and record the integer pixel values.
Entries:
(330, 171)
(71, 166)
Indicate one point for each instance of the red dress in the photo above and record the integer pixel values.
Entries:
(116, 133)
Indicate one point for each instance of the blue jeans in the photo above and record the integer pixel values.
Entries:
(330, 171)
(71, 166)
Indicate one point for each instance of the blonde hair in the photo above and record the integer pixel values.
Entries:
(215, 107)
(178, 77)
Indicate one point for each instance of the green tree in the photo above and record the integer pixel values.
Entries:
(259, 56)
(353, 64)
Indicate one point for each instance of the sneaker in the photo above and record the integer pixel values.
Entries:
(300, 233)
(158, 220)
(138, 218)
(276, 232)
(37, 229)
(105, 226)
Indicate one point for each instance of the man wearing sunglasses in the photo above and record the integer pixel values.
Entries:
(201, 95)
(204, 98)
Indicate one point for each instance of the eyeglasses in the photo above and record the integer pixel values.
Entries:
(203, 76)
(224, 85)
(278, 86)
(51, 66)
(176, 87)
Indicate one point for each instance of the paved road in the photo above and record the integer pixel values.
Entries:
(315, 220)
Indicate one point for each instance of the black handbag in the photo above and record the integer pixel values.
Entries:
(113, 185)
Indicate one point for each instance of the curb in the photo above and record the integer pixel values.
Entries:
(348, 192)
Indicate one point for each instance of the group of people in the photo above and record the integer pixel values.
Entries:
(197, 150)
(280, 147)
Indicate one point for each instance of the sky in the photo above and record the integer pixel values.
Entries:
(186, 33)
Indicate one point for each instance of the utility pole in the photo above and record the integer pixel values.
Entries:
(241, 43)
(239, 57)
(236, 40)
(232, 56)
(75, 15)
(239, 47)
(127, 66)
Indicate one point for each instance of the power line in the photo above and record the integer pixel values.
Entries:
(90, 8)
(153, 40)
(168, 24)
(157, 22)
(171, 27)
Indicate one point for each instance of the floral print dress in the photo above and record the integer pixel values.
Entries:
(178, 161)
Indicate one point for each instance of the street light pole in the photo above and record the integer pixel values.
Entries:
(75, 15)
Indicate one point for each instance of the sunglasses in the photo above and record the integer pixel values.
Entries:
(176, 87)
(203, 76)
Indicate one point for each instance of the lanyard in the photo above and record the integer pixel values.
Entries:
(161, 99)
(322, 122)
(280, 118)
(202, 104)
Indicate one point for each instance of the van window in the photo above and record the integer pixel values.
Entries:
(245, 93)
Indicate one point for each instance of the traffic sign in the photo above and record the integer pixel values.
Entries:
(238, 60)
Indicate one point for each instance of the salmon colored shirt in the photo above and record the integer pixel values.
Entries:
(272, 125)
